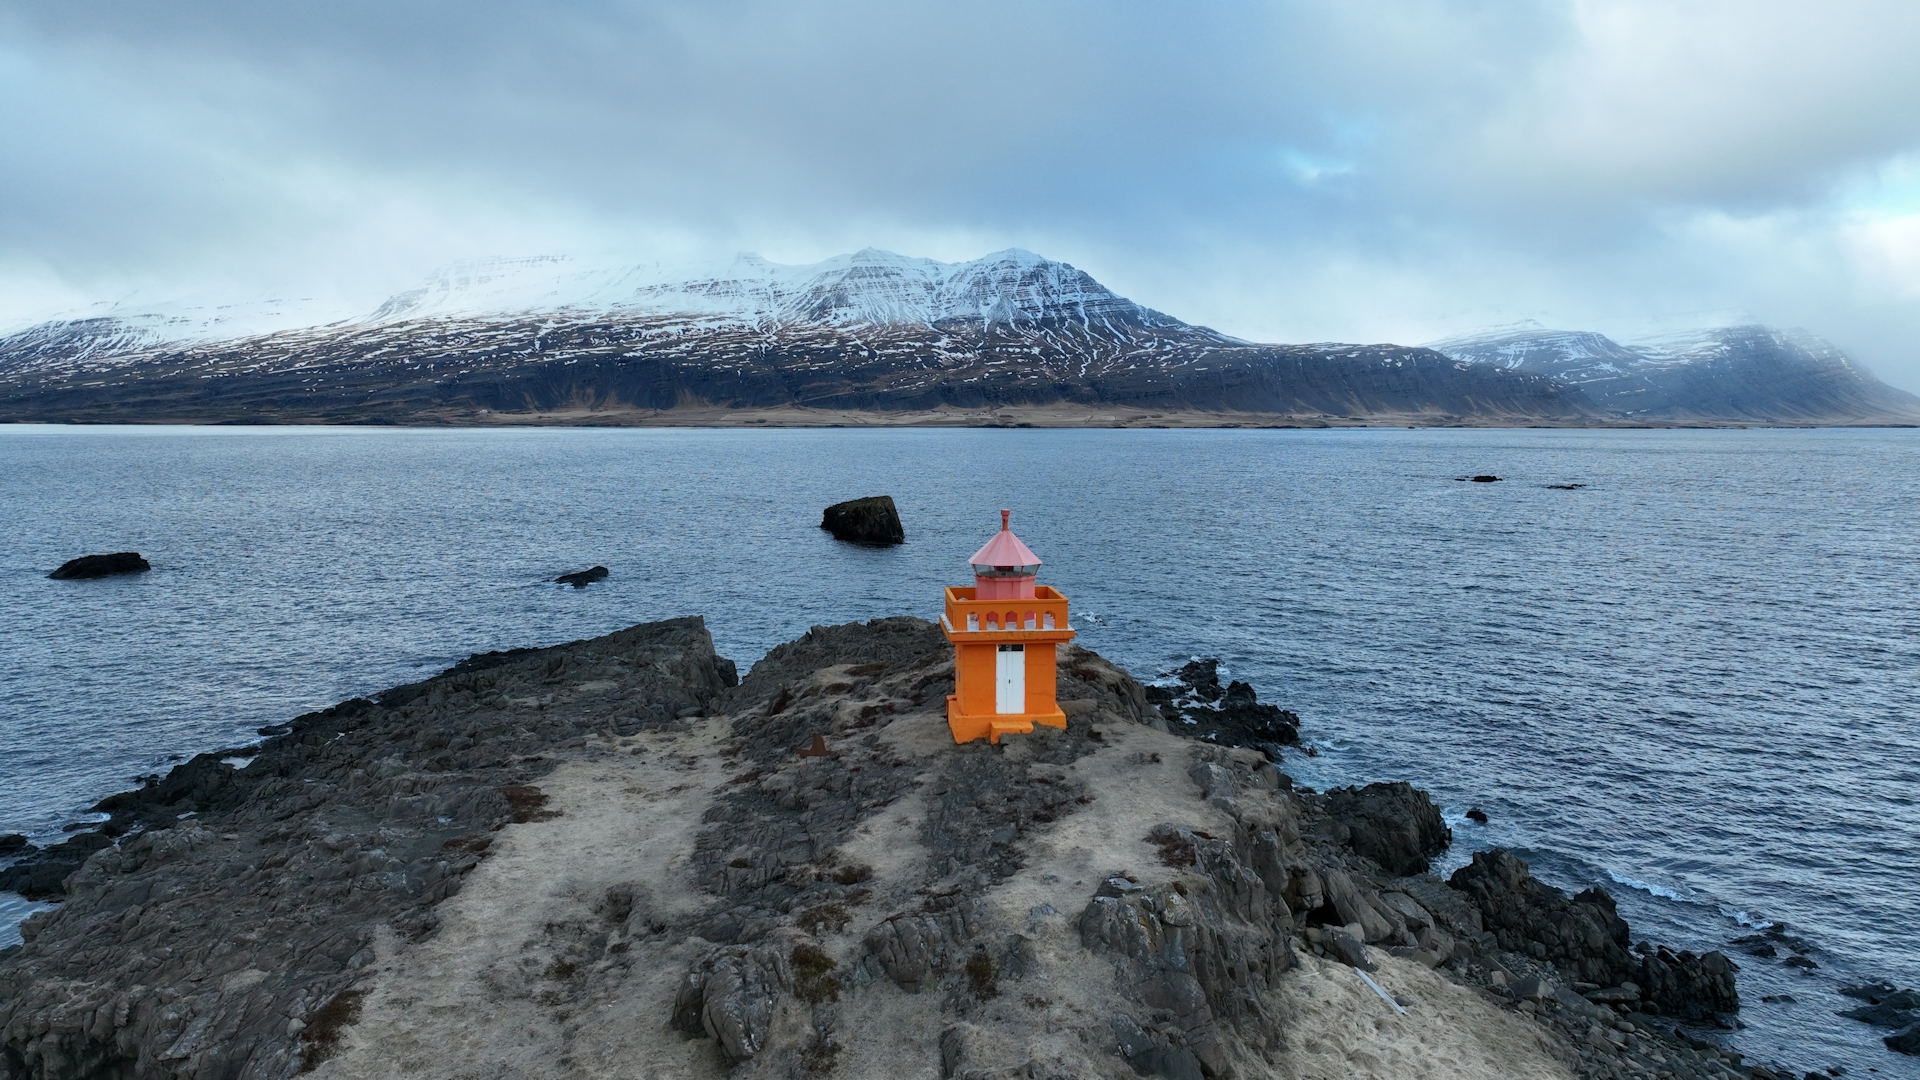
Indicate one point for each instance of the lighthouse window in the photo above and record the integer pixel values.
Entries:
(973, 620)
(1013, 648)
(1047, 620)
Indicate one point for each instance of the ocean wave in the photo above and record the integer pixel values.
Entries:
(1688, 895)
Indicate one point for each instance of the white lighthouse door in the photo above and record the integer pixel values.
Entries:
(1010, 680)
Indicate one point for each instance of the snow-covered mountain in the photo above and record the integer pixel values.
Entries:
(1741, 372)
(109, 333)
(1578, 356)
(870, 288)
(870, 330)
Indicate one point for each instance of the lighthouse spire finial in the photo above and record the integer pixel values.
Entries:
(1005, 517)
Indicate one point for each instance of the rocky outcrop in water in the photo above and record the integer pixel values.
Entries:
(583, 578)
(1889, 1007)
(41, 873)
(1197, 705)
(1395, 825)
(97, 566)
(604, 859)
(872, 520)
(1586, 938)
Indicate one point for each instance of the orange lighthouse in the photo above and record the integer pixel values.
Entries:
(1004, 631)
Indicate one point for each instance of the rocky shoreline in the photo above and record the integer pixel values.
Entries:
(613, 857)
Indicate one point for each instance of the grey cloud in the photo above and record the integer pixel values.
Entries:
(1283, 170)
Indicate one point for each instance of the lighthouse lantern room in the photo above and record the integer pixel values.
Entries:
(1004, 630)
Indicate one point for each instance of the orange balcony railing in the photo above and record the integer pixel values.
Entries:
(1044, 610)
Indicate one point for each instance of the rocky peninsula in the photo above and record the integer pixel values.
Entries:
(615, 858)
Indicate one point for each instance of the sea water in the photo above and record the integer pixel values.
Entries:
(1693, 680)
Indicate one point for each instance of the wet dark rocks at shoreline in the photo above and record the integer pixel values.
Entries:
(1768, 943)
(38, 874)
(1622, 1010)
(1198, 706)
(1889, 1007)
(1585, 937)
(1395, 824)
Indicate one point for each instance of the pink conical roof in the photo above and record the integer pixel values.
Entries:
(1005, 549)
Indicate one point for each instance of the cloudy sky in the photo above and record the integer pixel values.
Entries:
(1284, 172)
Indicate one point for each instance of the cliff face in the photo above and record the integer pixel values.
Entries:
(604, 859)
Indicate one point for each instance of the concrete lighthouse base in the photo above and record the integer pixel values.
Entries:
(967, 727)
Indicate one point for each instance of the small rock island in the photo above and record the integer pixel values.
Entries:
(873, 520)
(97, 566)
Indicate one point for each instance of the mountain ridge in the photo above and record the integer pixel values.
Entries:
(1740, 372)
(871, 333)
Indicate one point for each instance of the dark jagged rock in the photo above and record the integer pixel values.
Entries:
(1763, 943)
(1477, 815)
(1904, 1041)
(1872, 991)
(13, 844)
(1202, 678)
(1231, 716)
(1196, 954)
(1587, 940)
(1483, 478)
(1349, 950)
(1885, 1014)
(1889, 1007)
(729, 998)
(39, 876)
(1582, 937)
(1699, 989)
(872, 520)
(583, 578)
(96, 566)
(1395, 825)
(354, 825)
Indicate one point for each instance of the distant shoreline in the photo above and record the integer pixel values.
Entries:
(1027, 416)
